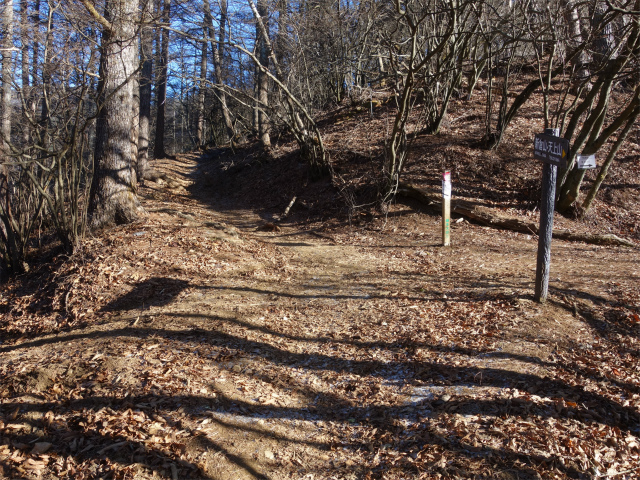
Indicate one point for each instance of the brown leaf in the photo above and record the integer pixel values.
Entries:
(32, 464)
(40, 447)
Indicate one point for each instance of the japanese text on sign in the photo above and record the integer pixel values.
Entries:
(548, 146)
(551, 149)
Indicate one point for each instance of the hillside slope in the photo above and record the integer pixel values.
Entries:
(201, 343)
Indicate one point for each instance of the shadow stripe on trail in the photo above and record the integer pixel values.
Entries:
(628, 419)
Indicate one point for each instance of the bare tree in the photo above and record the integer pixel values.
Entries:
(7, 73)
(113, 199)
(203, 77)
(146, 53)
(11, 259)
(25, 83)
(47, 176)
(159, 150)
(262, 79)
(420, 31)
(218, 62)
(590, 123)
(297, 118)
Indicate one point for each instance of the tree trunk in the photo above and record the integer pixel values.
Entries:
(262, 79)
(604, 42)
(35, 19)
(11, 260)
(592, 136)
(7, 74)
(218, 59)
(24, 67)
(201, 89)
(144, 129)
(159, 150)
(46, 76)
(281, 40)
(134, 134)
(580, 62)
(113, 200)
(255, 117)
(602, 174)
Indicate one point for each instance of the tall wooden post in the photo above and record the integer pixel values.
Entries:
(549, 175)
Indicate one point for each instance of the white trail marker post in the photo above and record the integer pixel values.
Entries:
(446, 208)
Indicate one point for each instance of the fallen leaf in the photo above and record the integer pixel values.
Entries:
(40, 448)
(32, 464)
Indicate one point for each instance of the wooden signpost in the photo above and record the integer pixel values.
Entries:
(446, 208)
(553, 151)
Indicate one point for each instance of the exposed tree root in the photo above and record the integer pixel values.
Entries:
(162, 179)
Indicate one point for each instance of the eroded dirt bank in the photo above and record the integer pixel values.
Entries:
(194, 345)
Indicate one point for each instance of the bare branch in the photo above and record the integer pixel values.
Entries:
(95, 14)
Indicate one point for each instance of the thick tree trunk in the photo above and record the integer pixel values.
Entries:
(46, 75)
(7, 75)
(35, 19)
(580, 62)
(159, 150)
(281, 40)
(255, 118)
(11, 259)
(605, 42)
(113, 200)
(144, 132)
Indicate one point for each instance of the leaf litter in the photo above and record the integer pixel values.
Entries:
(193, 345)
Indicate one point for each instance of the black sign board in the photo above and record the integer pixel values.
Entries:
(551, 149)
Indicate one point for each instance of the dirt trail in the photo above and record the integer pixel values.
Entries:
(216, 350)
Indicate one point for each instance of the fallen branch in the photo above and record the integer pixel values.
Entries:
(112, 446)
(286, 210)
(162, 178)
(488, 217)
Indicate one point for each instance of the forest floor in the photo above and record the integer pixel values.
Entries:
(207, 342)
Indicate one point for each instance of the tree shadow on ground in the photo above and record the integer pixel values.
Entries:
(610, 323)
(153, 292)
(411, 426)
